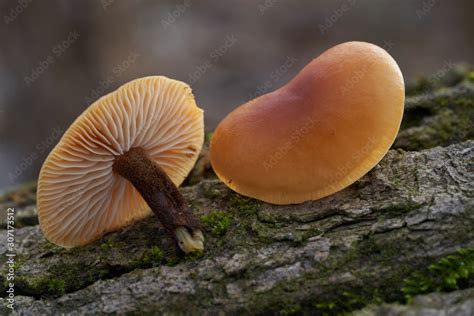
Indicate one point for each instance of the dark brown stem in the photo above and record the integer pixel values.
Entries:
(162, 196)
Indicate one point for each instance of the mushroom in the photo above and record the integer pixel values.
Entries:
(316, 135)
(129, 149)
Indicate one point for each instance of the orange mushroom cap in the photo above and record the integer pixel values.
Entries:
(79, 197)
(316, 135)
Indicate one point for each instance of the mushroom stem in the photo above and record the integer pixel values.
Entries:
(162, 196)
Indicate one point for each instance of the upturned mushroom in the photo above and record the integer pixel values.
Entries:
(316, 135)
(126, 154)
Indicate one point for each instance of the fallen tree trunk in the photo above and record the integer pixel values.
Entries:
(335, 254)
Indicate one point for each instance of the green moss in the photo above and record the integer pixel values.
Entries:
(153, 257)
(445, 127)
(172, 261)
(107, 245)
(208, 137)
(470, 76)
(244, 205)
(70, 273)
(43, 286)
(348, 302)
(216, 222)
(453, 127)
(55, 286)
(325, 307)
(195, 255)
(450, 273)
(156, 253)
(439, 119)
(19, 261)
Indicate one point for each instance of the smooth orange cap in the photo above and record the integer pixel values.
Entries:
(316, 135)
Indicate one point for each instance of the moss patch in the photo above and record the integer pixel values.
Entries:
(198, 254)
(152, 258)
(470, 76)
(216, 222)
(107, 245)
(450, 273)
(244, 205)
(348, 302)
(208, 137)
(40, 286)
(438, 119)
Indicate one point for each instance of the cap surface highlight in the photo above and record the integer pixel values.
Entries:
(319, 133)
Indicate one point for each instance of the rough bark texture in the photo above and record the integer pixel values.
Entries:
(338, 254)
(441, 115)
(459, 303)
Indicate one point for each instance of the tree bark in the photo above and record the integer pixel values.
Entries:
(412, 209)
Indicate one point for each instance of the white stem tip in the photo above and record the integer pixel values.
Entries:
(189, 243)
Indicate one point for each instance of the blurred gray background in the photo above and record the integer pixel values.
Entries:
(57, 57)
